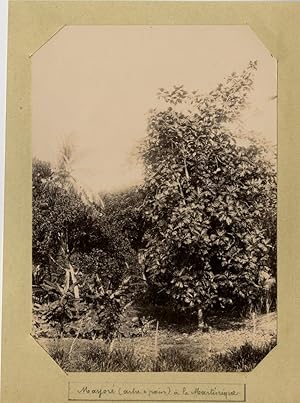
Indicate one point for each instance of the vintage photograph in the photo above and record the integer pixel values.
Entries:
(154, 198)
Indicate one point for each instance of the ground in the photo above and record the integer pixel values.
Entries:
(224, 336)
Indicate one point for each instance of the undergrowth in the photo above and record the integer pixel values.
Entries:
(98, 358)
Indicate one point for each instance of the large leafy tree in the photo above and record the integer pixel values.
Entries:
(211, 200)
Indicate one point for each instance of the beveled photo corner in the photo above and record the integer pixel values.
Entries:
(154, 198)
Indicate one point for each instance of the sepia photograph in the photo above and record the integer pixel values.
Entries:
(154, 198)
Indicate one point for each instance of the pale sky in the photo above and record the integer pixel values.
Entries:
(96, 84)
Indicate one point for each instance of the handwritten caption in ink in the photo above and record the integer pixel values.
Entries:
(143, 392)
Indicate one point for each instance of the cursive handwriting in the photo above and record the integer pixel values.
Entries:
(196, 392)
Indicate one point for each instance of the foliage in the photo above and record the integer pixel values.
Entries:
(60, 309)
(105, 307)
(71, 233)
(124, 214)
(61, 219)
(136, 326)
(98, 313)
(209, 199)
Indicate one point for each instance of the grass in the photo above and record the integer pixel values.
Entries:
(244, 358)
(220, 350)
(241, 359)
(98, 358)
(123, 359)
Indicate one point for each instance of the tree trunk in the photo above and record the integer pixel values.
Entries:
(254, 322)
(200, 319)
(74, 280)
(156, 342)
(111, 345)
(267, 302)
(67, 282)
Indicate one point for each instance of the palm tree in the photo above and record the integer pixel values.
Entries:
(64, 178)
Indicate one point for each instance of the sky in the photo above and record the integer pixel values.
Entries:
(93, 86)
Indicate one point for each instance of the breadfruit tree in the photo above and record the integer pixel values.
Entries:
(211, 198)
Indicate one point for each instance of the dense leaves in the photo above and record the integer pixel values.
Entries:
(211, 200)
(77, 243)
